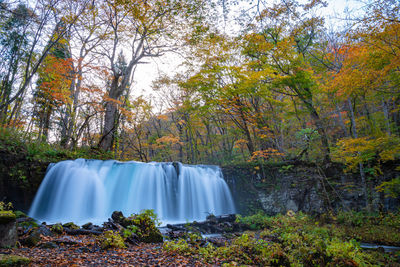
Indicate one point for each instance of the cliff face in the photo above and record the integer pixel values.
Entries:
(303, 187)
(20, 178)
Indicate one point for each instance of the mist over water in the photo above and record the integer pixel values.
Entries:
(90, 190)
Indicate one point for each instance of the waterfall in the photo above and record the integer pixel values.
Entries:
(90, 190)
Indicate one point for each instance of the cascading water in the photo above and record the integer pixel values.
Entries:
(90, 190)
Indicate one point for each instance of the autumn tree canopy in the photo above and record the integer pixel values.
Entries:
(258, 81)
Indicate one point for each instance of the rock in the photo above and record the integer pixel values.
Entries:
(8, 234)
(82, 232)
(176, 234)
(24, 219)
(8, 229)
(133, 239)
(27, 223)
(212, 218)
(71, 225)
(13, 260)
(7, 216)
(97, 228)
(43, 230)
(226, 218)
(153, 237)
(48, 245)
(174, 227)
(118, 216)
(32, 239)
(57, 228)
(88, 226)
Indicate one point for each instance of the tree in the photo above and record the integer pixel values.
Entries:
(284, 44)
(147, 28)
(40, 25)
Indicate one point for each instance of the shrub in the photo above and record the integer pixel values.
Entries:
(111, 239)
(144, 226)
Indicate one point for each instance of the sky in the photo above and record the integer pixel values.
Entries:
(334, 14)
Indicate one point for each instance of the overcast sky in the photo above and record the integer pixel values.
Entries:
(146, 73)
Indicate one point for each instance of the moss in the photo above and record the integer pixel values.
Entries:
(7, 216)
(29, 224)
(57, 228)
(20, 214)
(13, 260)
(70, 225)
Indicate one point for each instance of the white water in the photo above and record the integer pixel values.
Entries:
(90, 190)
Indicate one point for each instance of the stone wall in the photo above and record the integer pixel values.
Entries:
(20, 178)
(303, 187)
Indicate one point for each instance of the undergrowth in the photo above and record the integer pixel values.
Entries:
(17, 142)
(295, 240)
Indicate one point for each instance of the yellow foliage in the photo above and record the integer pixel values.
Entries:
(353, 151)
(265, 154)
(168, 139)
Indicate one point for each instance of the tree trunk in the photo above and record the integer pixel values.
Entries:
(360, 165)
(320, 128)
(109, 126)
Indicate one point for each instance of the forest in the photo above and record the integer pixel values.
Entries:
(282, 86)
(249, 83)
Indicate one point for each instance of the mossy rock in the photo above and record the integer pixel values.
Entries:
(71, 225)
(13, 260)
(7, 216)
(32, 239)
(154, 236)
(29, 224)
(87, 226)
(57, 228)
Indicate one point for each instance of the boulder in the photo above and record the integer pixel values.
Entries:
(43, 230)
(32, 239)
(8, 229)
(57, 228)
(71, 225)
(118, 217)
(88, 226)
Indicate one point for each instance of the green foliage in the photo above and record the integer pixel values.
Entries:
(5, 206)
(391, 188)
(373, 150)
(20, 214)
(6, 213)
(287, 240)
(111, 239)
(144, 226)
(254, 222)
(130, 231)
(18, 142)
(179, 246)
(369, 227)
(29, 224)
(243, 250)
